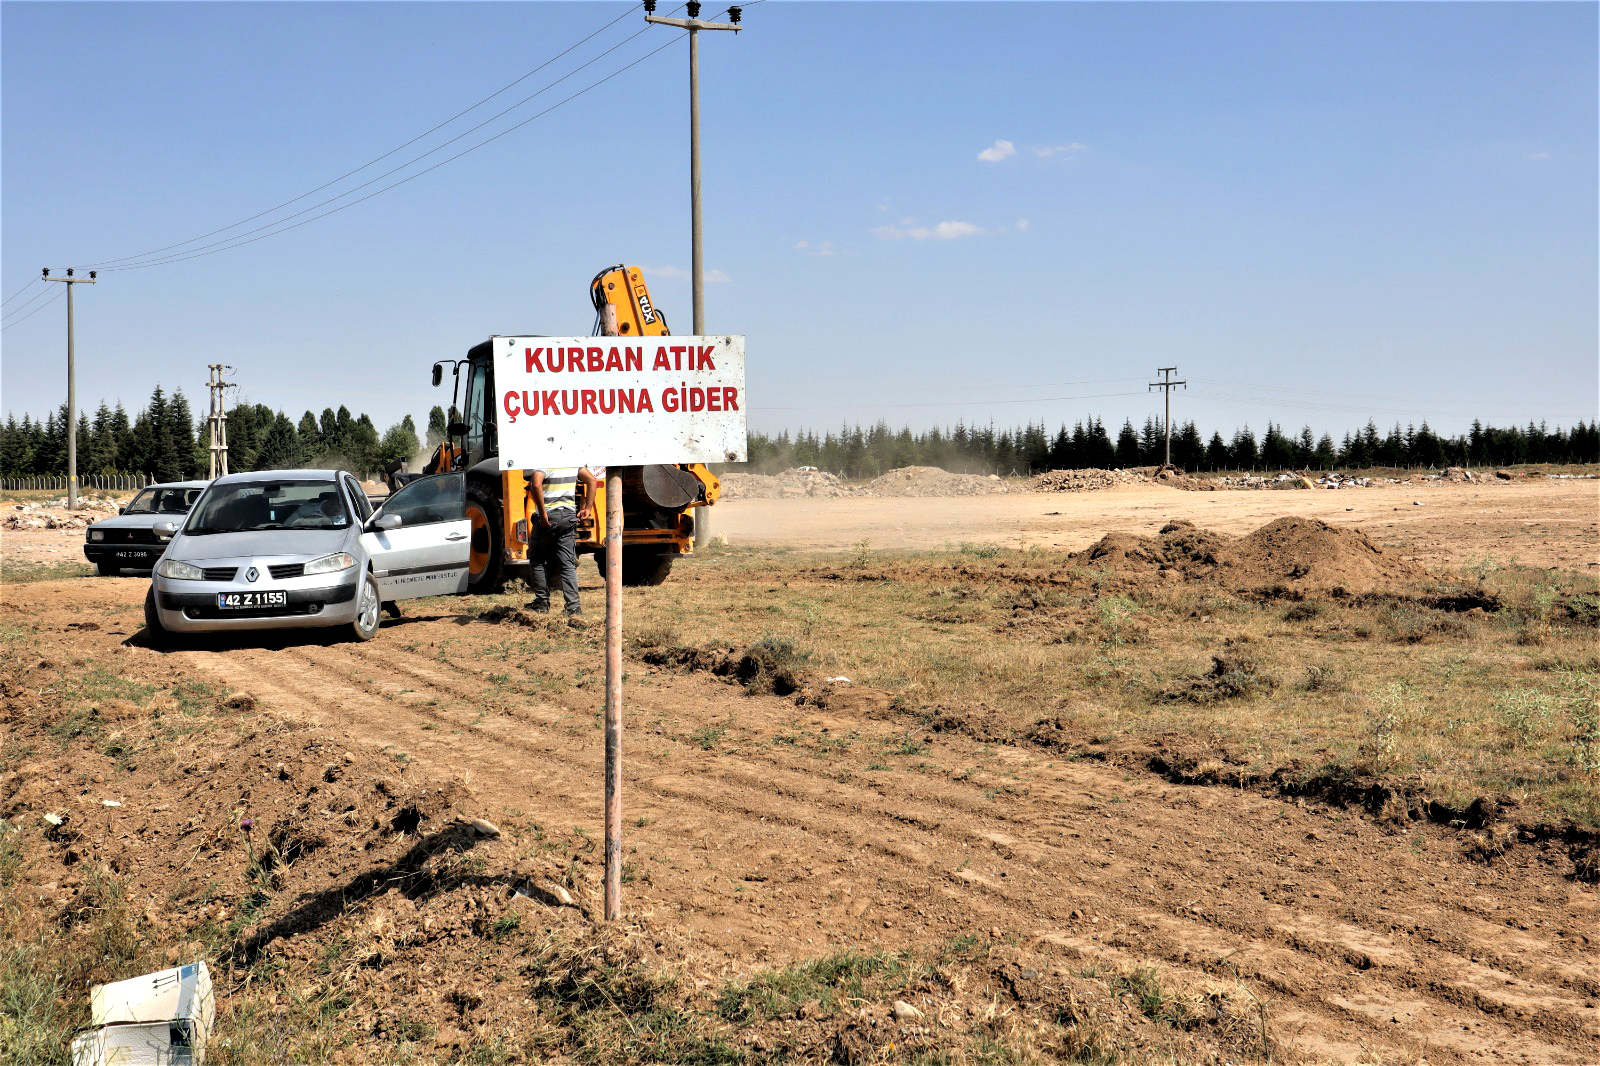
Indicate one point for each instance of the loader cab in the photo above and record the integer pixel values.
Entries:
(472, 423)
(478, 434)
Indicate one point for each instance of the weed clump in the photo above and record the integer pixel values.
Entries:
(1231, 676)
(772, 664)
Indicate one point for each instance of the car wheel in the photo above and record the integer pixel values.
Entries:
(156, 635)
(368, 608)
(108, 569)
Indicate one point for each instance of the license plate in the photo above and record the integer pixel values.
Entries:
(133, 555)
(244, 601)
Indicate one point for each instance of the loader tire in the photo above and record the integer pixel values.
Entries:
(487, 557)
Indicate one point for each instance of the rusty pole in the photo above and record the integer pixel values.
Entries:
(613, 833)
(613, 891)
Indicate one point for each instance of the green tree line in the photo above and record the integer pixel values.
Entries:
(166, 442)
(854, 452)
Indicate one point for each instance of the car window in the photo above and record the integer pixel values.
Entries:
(255, 505)
(441, 498)
(173, 501)
(358, 498)
(144, 503)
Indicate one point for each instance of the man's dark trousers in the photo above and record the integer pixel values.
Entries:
(555, 559)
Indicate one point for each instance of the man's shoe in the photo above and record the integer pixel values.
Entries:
(536, 607)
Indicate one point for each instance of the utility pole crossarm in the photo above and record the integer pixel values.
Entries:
(692, 24)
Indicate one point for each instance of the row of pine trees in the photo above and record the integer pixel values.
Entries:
(166, 442)
(852, 452)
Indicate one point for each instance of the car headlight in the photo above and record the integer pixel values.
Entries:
(331, 564)
(97, 534)
(178, 570)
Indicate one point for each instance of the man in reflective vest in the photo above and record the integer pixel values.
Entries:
(554, 552)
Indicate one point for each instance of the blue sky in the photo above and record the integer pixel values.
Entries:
(915, 212)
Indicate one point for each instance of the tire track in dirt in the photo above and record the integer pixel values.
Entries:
(1128, 853)
(1321, 949)
(789, 816)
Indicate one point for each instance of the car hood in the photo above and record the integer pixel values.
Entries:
(136, 521)
(261, 544)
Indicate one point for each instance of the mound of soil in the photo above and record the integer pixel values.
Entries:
(1296, 553)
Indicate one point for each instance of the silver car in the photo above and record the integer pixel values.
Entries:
(285, 549)
(129, 540)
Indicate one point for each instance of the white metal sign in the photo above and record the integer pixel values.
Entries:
(570, 401)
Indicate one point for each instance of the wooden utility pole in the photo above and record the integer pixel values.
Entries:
(1167, 384)
(72, 390)
(702, 524)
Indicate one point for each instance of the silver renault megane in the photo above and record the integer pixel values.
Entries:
(282, 549)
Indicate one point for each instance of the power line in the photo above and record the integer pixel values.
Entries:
(30, 314)
(19, 292)
(108, 264)
(1337, 408)
(236, 242)
(949, 403)
(1332, 392)
(36, 295)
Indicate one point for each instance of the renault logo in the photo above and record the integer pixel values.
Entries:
(251, 574)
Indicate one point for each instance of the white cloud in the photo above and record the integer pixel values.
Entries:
(944, 231)
(1022, 225)
(821, 248)
(1046, 151)
(997, 151)
(1539, 157)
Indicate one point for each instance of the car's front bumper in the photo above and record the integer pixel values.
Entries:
(191, 606)
(131, 556)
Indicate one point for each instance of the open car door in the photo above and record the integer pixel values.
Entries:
(419, 539)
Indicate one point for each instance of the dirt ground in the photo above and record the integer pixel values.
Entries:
(1368, 943)
(1442, 525)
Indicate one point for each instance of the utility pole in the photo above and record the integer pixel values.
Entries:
(72, 390)
(1167, 384)
(702, 526)
(218, 420)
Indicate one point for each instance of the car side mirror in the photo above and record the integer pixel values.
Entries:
(164, 529)
(457, 429)
(122, 510)
(438, 374)
(387, 521)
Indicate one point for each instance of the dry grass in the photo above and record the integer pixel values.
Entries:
(1457, 703)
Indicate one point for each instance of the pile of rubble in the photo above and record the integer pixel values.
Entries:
(907, 481)
(798, 482)
(53, 514)
(1087, 480)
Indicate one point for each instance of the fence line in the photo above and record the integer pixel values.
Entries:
(92, 482)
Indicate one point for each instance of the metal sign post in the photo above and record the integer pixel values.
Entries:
(570, 401)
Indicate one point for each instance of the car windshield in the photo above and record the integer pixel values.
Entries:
(162, 499)
(253, 505)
